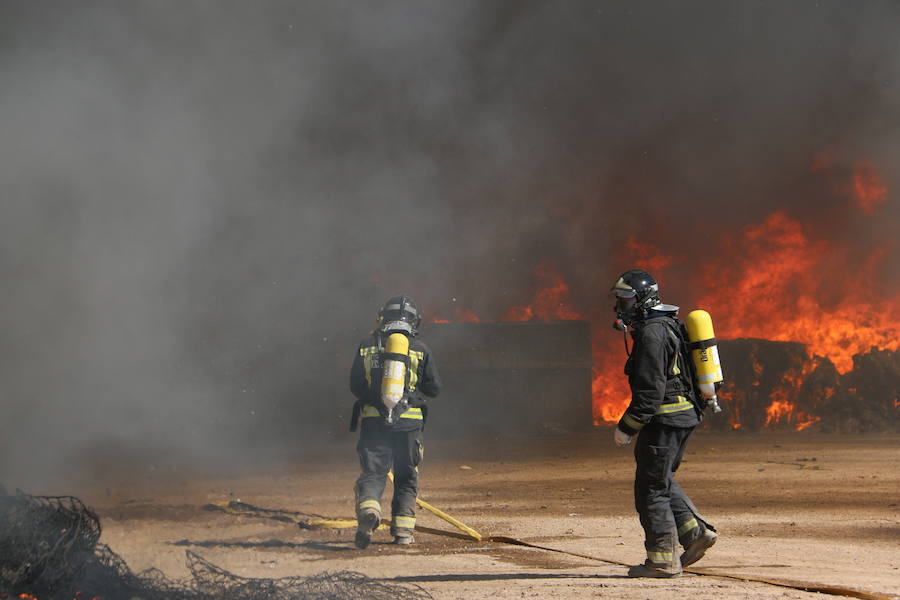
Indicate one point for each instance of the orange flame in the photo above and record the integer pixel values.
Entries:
(804, 420)
(463, 315)
(467, 316)
(551, 301)
(776, 290)
(777, 410)
(610, 394)
(646, 256)
(26, 596)
(609, 389)
(782, 409)
(780, 282)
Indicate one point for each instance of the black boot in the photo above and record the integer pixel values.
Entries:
(366, 523)
(696, 549)
(662, 562)
(652, 569)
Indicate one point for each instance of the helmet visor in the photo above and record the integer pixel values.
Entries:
(624, 305)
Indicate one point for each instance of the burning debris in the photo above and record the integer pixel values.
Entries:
(764, 382)
(868, 397)
(777, 385)
(769, 384)
(49, 551)
(808, 315)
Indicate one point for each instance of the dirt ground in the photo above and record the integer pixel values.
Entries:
(801, 507)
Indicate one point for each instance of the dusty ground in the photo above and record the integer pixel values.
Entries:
(802, 507)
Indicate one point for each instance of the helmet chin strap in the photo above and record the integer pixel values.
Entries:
(641, 307)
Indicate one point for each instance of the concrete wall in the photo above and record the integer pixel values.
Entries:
(510, 377)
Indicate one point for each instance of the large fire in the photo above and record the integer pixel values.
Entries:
(777, 279)
(780, 287)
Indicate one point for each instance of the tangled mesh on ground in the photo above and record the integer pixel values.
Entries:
(45, 542)
(49, 549)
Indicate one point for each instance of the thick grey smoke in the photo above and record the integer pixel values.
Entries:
(204, 203)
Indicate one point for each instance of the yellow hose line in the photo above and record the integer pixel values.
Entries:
(248, 510)
(325, 523)
(459, 525)
(797, 585)
(239, 508)
(385, 524)
(439, 513)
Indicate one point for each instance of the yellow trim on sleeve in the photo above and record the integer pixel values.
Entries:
(632, 422)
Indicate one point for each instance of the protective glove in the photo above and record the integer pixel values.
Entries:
(621, 438)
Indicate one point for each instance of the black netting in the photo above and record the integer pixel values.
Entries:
(49, 549)
(215, 582)
(45, 541)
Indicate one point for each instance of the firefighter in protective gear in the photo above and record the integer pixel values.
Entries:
(391, 431)
(662, 414)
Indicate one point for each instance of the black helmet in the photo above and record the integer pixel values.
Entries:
(399, 313)
(636, 292)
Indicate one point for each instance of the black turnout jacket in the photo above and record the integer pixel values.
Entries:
(660, 381)
(365, 383)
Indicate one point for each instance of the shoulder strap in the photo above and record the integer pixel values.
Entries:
(680, 332)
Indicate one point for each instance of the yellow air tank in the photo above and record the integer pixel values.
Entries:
(705, 354)
(393, 381)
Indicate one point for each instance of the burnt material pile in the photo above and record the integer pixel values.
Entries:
(777, 385)
(49, 550)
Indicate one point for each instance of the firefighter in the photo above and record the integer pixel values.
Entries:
(391, 376)
(662, 414)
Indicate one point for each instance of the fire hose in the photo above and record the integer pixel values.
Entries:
(313, 522)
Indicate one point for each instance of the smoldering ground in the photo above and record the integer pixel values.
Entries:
(204, 203)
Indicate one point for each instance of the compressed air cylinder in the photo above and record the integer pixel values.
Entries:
(706, 356)
(393, 381)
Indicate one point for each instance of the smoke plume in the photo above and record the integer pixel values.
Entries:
(205, 203)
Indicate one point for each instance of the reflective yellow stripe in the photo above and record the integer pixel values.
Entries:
(370, 411)
(659, 557)
(414, 358)
(413, 413)
(367, 365)
(367, 354)
(632, 422)
(404, 522)
(682, 404)
(692, 524)
(370, 504)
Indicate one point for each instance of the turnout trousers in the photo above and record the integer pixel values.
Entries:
(381, 450)
(666, 512)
